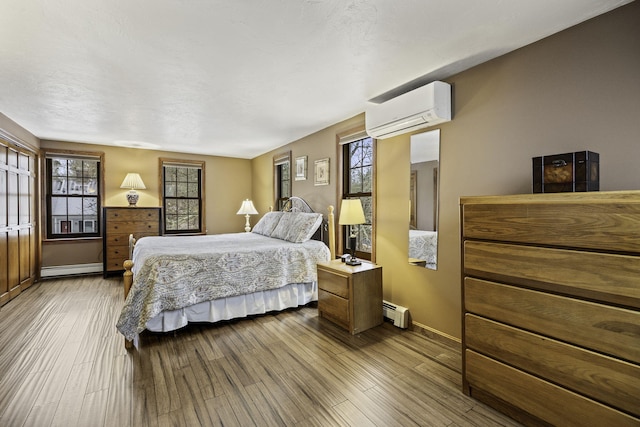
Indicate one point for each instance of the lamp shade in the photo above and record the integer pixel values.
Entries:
(247, 208)
(351, 212)
(133, 181)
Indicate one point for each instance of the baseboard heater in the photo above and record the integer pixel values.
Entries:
(397, 314)
(70, 270)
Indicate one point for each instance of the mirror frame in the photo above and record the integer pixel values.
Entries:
(423, 244)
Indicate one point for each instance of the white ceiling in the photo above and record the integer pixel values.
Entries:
(241, 77)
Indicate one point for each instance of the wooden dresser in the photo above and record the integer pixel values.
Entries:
(118, 223)
(350, 296)
(551, 306)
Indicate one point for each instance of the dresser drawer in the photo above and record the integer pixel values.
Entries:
(333, 282)
(549, 402)
(610, 330)
(115, 257)
(117, 239)
(602, 378)
(136, 228)
(606, 277)
(132, 214)
(123, 239)
(575, 221)
(117, 251)
(334, 307)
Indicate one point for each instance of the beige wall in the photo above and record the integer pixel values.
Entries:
(316, 146)
(227, 183)
(576, 90)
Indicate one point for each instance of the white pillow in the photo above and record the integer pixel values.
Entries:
(267, 223)
(297, 227)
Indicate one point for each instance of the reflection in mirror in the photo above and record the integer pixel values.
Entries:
(423, 225)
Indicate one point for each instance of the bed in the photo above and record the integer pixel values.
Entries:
(423, 245)
(173, 280)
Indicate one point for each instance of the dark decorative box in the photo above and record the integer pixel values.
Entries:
(579, 171)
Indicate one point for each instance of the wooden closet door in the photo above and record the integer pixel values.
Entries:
(13, 236)
(26, 235)
(4, 222)
(18, 239)
(34, 238)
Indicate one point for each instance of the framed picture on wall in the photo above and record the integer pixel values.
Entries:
(301, 168)
(321, 175)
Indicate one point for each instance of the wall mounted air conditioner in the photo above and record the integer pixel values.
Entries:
(426, 106)
(397, 314)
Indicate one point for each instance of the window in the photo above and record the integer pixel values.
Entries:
(357, 151)
(182, 199)
(73, 194)
(282, 175)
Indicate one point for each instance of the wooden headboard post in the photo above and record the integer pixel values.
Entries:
(128, 281)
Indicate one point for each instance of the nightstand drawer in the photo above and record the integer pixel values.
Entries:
(334, 307)
(334, 283)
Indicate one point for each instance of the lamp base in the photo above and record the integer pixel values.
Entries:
(353, 261)
(352, 243)
(132, 198)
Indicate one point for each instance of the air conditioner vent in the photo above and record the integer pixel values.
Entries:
(425, 106)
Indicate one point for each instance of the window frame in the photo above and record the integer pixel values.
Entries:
(343, 141)
(279, 178)
(189, 164)
(47, 215)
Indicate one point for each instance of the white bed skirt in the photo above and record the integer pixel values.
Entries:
(292, 295)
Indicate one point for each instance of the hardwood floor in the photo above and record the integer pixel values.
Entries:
(62, 362)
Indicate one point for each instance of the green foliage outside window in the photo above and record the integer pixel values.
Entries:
(182, 203)
(359, 184)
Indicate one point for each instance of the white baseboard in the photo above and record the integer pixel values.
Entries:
(70, 270)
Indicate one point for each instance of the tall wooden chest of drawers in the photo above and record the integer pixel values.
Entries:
(551, 306)
(118, 223)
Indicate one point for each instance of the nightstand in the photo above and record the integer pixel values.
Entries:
(350, 296)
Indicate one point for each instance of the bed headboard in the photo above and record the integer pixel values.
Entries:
(297, 204)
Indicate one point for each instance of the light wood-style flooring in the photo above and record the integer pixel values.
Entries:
(62, 362)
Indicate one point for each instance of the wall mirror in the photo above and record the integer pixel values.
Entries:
(423, 221)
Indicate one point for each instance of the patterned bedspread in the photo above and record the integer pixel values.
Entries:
(176, 272)
(423, 245)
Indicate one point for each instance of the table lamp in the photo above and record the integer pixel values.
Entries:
(351, 213)
(133, 182)
(247, 209)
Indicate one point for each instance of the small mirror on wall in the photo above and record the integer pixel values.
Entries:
(424, 186)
